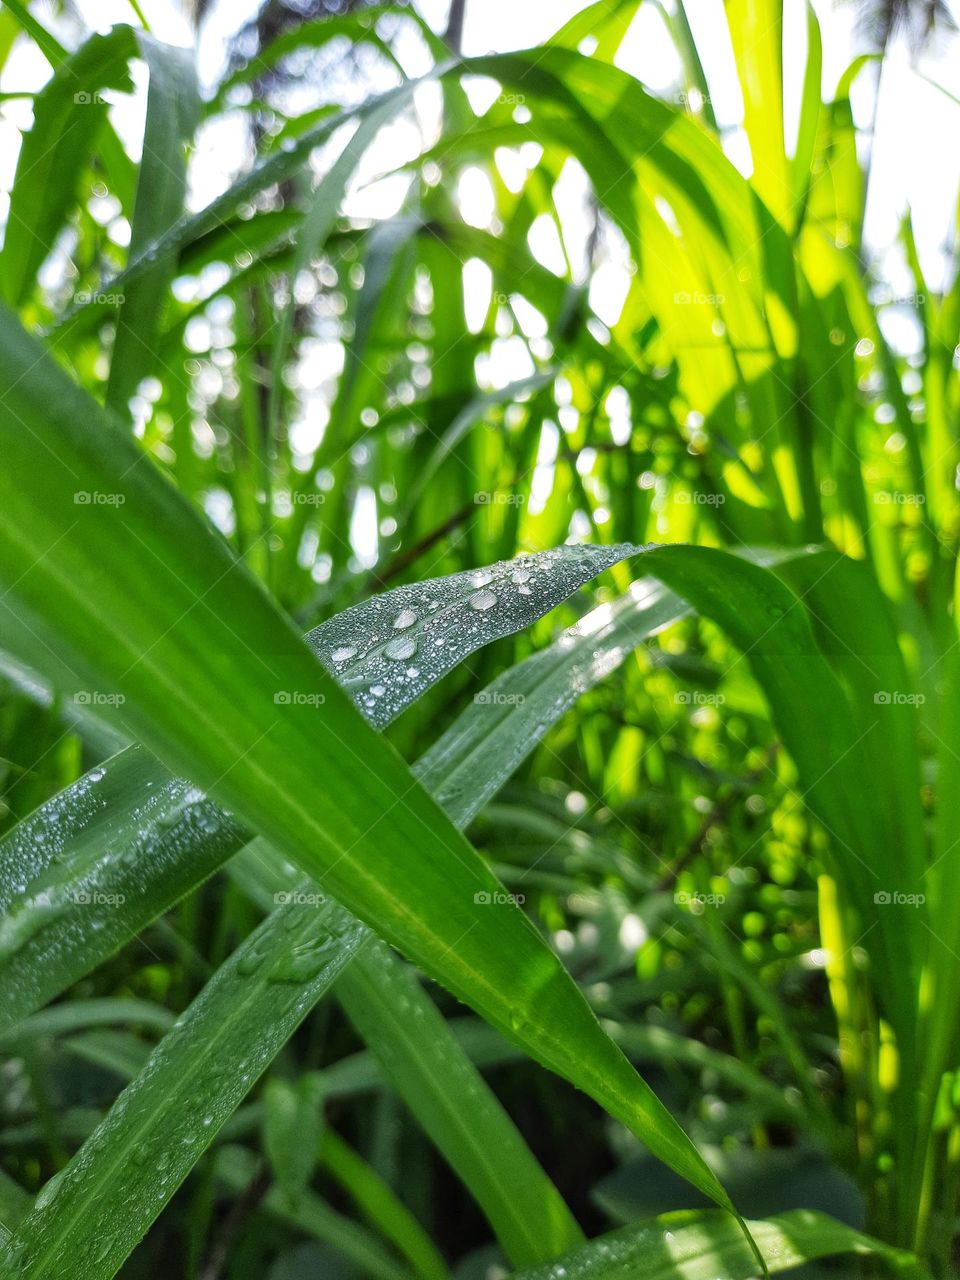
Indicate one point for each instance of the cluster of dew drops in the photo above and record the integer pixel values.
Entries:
(402, 646)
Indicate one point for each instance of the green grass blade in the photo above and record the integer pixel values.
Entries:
(93, 1214)
(97, 863)
(220, 686)
(68, 115)
(49, 45)
(435, 1078)
(388, 650)
(766, 621)
(378, 1203)
(236, 1168)
(704, 1246)
(469, 763)
(173, 106)
(430, 1070)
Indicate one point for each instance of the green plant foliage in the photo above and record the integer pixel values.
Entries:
(478, 659)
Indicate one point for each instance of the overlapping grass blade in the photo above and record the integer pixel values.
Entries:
(89, 869)
(254, 719)
(173, 107)
(703, 1246)
(89, 1218)
(513, 713)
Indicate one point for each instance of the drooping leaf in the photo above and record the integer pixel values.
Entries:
(704, 1246)
(254, 719)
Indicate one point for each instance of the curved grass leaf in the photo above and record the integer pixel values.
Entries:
(380, 1205)
(88, 870)
(68, 114)
(236, 1168)
(172, 110)
(220, 686)
(515, 711)
(92, 1214)
(706, 1245)
(813, 715)
(388, 650)
(461, 1115)
(433, 1074)
(63, 1019)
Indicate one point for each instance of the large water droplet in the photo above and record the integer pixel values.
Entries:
(482, 601)
(400, 647)
(344, 654)
(403, 620)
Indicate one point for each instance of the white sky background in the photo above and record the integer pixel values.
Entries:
(917, 162)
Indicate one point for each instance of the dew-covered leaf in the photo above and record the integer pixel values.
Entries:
(95, 864)
(90, 868)
(705, 1245)
(388, 650)
(215, 680)
(515, 711)
(89, 1217)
